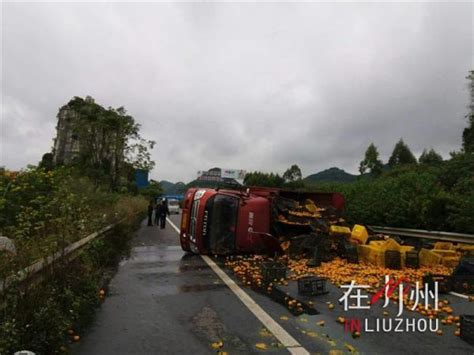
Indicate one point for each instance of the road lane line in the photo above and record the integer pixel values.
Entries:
(292, 345)
(459, 295)
(282, 335)
(172, 225)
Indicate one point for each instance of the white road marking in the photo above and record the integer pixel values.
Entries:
(459, 295)
(172, 225)
(292, 345)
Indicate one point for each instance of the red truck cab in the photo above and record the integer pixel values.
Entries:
(220, 221)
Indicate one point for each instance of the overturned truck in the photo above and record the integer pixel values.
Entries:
(255, 220)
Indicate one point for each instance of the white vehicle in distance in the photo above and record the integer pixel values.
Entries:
(173, 206)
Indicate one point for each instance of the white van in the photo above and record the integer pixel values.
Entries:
(173, 206)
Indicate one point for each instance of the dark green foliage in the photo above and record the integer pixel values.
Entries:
(331, 175)
(468, 136)
(297, 184)
(46, 162)
(170, 188)
(154, 189)
(401, 155)
(371, 162)
(457, 175)
(430, 157)
(468, 133)
(258, 178)
(179, 188)
(293, 173)
(38, 318)
(439, 197)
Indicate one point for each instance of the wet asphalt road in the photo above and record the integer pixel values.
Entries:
(162, 301)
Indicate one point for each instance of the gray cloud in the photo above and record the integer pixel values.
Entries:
(252, 86)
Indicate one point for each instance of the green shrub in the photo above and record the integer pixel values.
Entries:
(44, 212)
(436, 197)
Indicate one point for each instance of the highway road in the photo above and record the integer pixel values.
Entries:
(163, 301)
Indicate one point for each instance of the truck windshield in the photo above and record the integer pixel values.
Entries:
(221, 223)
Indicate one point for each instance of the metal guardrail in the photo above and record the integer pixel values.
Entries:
(40, 265)
(424, 234)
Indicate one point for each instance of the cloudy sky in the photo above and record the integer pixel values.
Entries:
(250, 86)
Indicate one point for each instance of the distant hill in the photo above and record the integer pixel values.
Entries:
(170, 188)
(331, 175)
(166, 185)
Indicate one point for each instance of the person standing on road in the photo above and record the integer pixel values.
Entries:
(150, 213)
(157, 213)
(163, 212)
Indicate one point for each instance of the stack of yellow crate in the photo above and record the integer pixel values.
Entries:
(449, 258)
(371, 254)
(433, 257)
(429, 258)
(443, 246)
(464, 248)
(374, 252)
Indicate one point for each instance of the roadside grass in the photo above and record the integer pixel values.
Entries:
(43, 212)
(47, 316)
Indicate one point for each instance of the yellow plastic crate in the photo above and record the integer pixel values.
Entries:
(405, 248)
(311, 206)
(450, 261)
(391, 244)
(445, 253)
(377, 244)
(449, 258)
(464, 247)
(429, 258)
(359, 234)
(363, 252)
(339, 230)
(371, 255)
(444, 245)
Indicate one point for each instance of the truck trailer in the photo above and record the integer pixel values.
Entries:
(254, 220)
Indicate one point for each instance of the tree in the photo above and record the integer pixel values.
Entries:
(109, 141)
(468, 133)
(47, 162)
(153, 189)
(293, 173)
(258, 178)
(430, 157)
(371, 161)
(401, 155)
